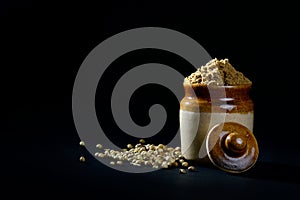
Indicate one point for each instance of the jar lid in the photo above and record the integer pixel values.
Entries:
(232, 147)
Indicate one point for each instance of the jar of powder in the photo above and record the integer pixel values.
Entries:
(216, 118)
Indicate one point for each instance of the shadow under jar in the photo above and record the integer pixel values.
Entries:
(205, 107)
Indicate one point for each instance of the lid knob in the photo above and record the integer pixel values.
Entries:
(236, 143)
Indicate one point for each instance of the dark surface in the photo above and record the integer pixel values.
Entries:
(43, 46)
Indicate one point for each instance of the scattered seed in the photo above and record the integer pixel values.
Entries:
(99, 146)
(175, 164)
(101, 155)
(81, 143)
(165, 165)
(119, 162)
(129, 146)
(142, 141)
(82, 159)
(182, 171)
(185, 164)
(177, 149)
(191, 168)
(146, 162)
(112, 163)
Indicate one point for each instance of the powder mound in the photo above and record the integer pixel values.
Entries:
(217, 72)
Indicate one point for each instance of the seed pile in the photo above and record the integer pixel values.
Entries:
(149, 155)
(217, 72)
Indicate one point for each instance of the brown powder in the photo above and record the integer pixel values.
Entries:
(218, 72)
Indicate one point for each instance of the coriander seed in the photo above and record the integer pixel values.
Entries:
(185, 164)
(191, 168)
(119, 162)
(81, 143)
(82, 159)
(142, 141)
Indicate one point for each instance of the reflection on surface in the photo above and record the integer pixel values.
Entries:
(273, 171)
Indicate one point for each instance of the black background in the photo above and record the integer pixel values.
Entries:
(44, 44)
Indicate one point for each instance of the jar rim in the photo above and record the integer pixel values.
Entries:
(194, 85)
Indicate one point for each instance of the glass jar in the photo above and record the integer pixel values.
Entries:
(205, 107)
